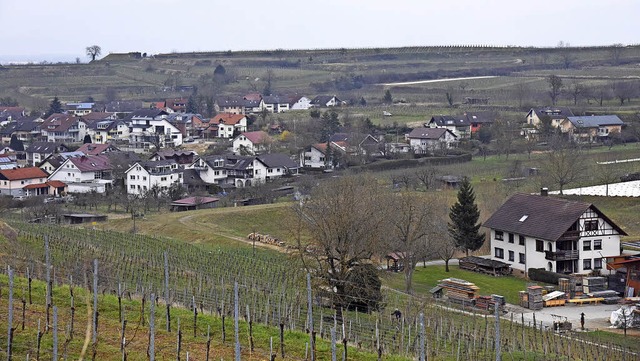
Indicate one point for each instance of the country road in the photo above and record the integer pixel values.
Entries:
(438, 80)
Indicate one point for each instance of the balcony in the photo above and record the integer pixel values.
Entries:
(570, 236)
(561, 255)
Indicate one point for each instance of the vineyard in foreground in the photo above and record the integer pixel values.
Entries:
(192, 294)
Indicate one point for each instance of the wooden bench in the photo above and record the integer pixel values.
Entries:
(581, 301)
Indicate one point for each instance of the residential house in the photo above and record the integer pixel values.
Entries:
(8, 161)
(553, 115)
(315, 157)
(150, 128)
(558, 235)
(297, 102)
(356, 144)
(229, 125)
(178, 105)
(230, 105)
(324, 101)
(120, 163)
(251, 142)
(84, 174)
(181, 157)
(460, 126)
(144, 176)
(37, 151)
(79, 109)
(63, 128)
(225, 170)
(268, 167)
(276, 104)
(11, 114)
(97, 148)
(97, 116)
(107, 131)
(464, 125)
(23, 182)
(592, 128)
(429, 140)
(26, 130)
(187, 123)
(54, 161)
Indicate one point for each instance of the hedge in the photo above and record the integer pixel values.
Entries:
(542, 275)
(411, 163)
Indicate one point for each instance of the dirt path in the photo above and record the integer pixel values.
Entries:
(439, 80)
(191, 221)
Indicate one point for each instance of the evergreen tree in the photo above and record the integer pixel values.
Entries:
(388, 98)
(54, 107)
(16, 144)
(87, 139)
(192, 105)
(464, 214)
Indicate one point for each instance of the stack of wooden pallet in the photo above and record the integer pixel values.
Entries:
(524, 299)
(593, 284)
(610, 297)
(535, 297)
(457, 289)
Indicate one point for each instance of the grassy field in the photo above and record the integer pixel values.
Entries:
(426, 278)
(301, 71)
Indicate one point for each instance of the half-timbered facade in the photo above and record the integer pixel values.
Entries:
(538, 231)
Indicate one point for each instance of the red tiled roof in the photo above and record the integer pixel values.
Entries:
(56, 184)
(23, 173)
(93, 148)
(35, 186)
(256, 137)
(227, 118)
(91, 163)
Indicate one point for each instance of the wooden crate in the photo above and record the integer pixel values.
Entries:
(556, 302)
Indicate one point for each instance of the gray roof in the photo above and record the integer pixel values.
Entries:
(547, 217)
(595, 121)
(450, 120)
(146, 113)
(554, 111)
(428, 133)
(44, 147)
(275, 160)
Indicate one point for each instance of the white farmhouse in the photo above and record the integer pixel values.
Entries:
(85, 173)
(143, 176)
(148, 127)
(249, 143)
(429, 140)
(558, 235)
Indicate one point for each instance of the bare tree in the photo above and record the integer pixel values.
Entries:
(616, 53)
(449, 96)
(345, 220)
(576, 90)
(555, 88)
(521, 92)
(93, 51)
(427, 175)
(599, 94)
(443, 245)
(410, 231)
(624, 90)
(505, 132)
(563, 164)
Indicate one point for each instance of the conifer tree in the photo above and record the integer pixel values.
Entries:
(464, 214)
(54, 107)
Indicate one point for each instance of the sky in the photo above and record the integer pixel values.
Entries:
(45, 30)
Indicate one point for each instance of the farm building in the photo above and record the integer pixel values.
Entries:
(193, 203)
(539, 231)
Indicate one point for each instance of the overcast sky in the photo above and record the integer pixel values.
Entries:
(38, 30)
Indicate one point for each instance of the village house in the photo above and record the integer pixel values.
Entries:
(26, 130)
(106, 131)
(181, 157)
(230, 105)
(298, 102)
(558, 235)
(250, 143)
(592, 128)
(553, 115)
(143, 176)
(150, 128)
(276, 104)
(325, 101)
(430, 140)
(54, 161)
(37, 151)
(79, 109)
(63, 128)
(229, 125)
(84, 174)
(268, 167)
(459, 126)
(24, 182)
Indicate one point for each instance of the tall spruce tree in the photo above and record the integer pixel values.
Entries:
(464, 214)
(54, 107)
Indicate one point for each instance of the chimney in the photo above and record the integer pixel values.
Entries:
(544, 191)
